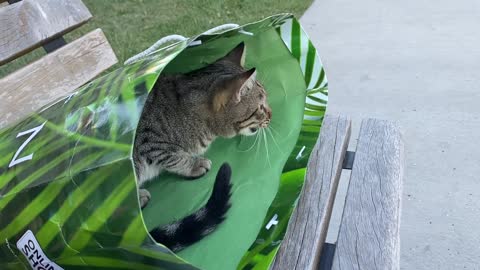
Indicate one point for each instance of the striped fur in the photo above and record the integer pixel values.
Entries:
(182, 115)
(194, 227)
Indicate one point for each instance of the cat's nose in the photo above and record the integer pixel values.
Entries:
(269, 112)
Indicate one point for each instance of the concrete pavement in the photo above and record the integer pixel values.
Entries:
(416, 62)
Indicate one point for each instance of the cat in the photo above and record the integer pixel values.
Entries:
(182, 116)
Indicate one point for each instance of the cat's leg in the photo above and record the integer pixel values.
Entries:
(199, 168)
(144, 197)
(185, 164)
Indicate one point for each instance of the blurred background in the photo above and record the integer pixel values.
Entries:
(131, 26)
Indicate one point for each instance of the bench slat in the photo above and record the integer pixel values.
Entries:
(369, 232)
(54, 76)
(307, 227)
(29, 24)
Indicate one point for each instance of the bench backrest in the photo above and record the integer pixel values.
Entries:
(29, 24)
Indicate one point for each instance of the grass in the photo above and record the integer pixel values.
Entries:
(131, 26)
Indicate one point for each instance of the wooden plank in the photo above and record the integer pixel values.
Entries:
(369, 231)
(29, 24)
(54, 76)
(307, 227)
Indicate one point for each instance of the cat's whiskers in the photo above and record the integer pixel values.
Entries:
(274, 141)
(257, 148)
(273, 129)
(257, 139)
(276, 131)
(253, 145)
(266, 147)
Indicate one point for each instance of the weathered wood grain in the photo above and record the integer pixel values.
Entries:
(29, 24)
(369, 231)
(307, 227)
(54, 76)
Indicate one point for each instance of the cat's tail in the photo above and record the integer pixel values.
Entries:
(194, 227)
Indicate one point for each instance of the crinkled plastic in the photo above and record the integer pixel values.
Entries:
(68, 195)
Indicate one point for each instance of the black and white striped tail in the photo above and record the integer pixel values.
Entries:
(194, 227)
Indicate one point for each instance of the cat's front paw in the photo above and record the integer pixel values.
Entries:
(144, 197)
(200, 167)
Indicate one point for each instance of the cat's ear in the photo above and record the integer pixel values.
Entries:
(237, 55)
(246, 81)
(234, 88)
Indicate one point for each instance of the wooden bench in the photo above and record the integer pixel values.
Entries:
(369, 232)
(368, 237)
(29, 24)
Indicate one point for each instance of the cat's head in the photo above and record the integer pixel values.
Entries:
(239, 98)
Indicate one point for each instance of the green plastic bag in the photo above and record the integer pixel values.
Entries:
(68, 195)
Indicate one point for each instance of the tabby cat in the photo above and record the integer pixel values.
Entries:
(182, 115)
